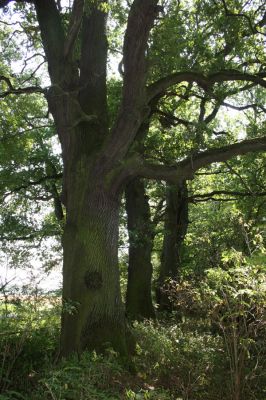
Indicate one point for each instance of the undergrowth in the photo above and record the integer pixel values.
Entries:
(185, 358)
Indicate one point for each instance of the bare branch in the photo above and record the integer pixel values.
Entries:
(213, 113)
(19, 90)
(231, 169)
(253, 28)
(246, 107)
(171, 120)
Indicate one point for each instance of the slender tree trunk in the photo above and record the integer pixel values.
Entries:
(93, 315)
(175, 227)
(139, 298)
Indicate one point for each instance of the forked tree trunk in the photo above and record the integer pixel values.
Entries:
(93, 316)
(93, 157)
(76, 52)
(175, 228)
(139, 297)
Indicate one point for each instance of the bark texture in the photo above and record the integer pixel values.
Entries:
(139, 296)
(99, 159)
(93, 315)
(175, 228)
(91, 275)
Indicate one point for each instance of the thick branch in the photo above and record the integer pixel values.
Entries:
(140, 21)
(92, 96)
(74, 26)
(53, 37)
(133, 109)
(206, 82)
(186, 168)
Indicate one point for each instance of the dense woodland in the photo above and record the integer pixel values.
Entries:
(132, 157)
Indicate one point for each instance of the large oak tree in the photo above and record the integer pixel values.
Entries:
(99, 159)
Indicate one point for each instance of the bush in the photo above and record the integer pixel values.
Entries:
(89, 377)
(233, 299)
(179, 360)
(29, 336)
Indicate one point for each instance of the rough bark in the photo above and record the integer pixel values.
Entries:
(139, 297)
(90, 273)
(93, 315)
(175, 228)
(98, 162)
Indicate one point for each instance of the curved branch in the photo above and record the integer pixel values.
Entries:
(33, 183)
(18, 91)
(207, 196)
(206, 82)
(186, 168)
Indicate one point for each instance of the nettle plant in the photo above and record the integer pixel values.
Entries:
(233, 298)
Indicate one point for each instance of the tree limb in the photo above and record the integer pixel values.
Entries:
(53, 37)
(186, 168)
(32, 183)
(253, 28)
(206, 82)
(133, 109)
(74, 26)
(243, 108)
(233, 171)
(19, 90)
(207, 196)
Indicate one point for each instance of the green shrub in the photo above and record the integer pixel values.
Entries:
(86, 378)
(233, 299)
(29, 336)
(182, 361)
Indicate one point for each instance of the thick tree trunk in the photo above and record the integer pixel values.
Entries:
(139, 299)
(175, 228)
(93, 315)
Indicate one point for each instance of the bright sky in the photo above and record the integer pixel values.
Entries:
(32, 277)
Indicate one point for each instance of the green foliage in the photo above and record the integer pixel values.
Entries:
(236, 300)
(89, 377)
(191, 359)
(233, 299)
(173, 360)
(183, 360)
(29, 326)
